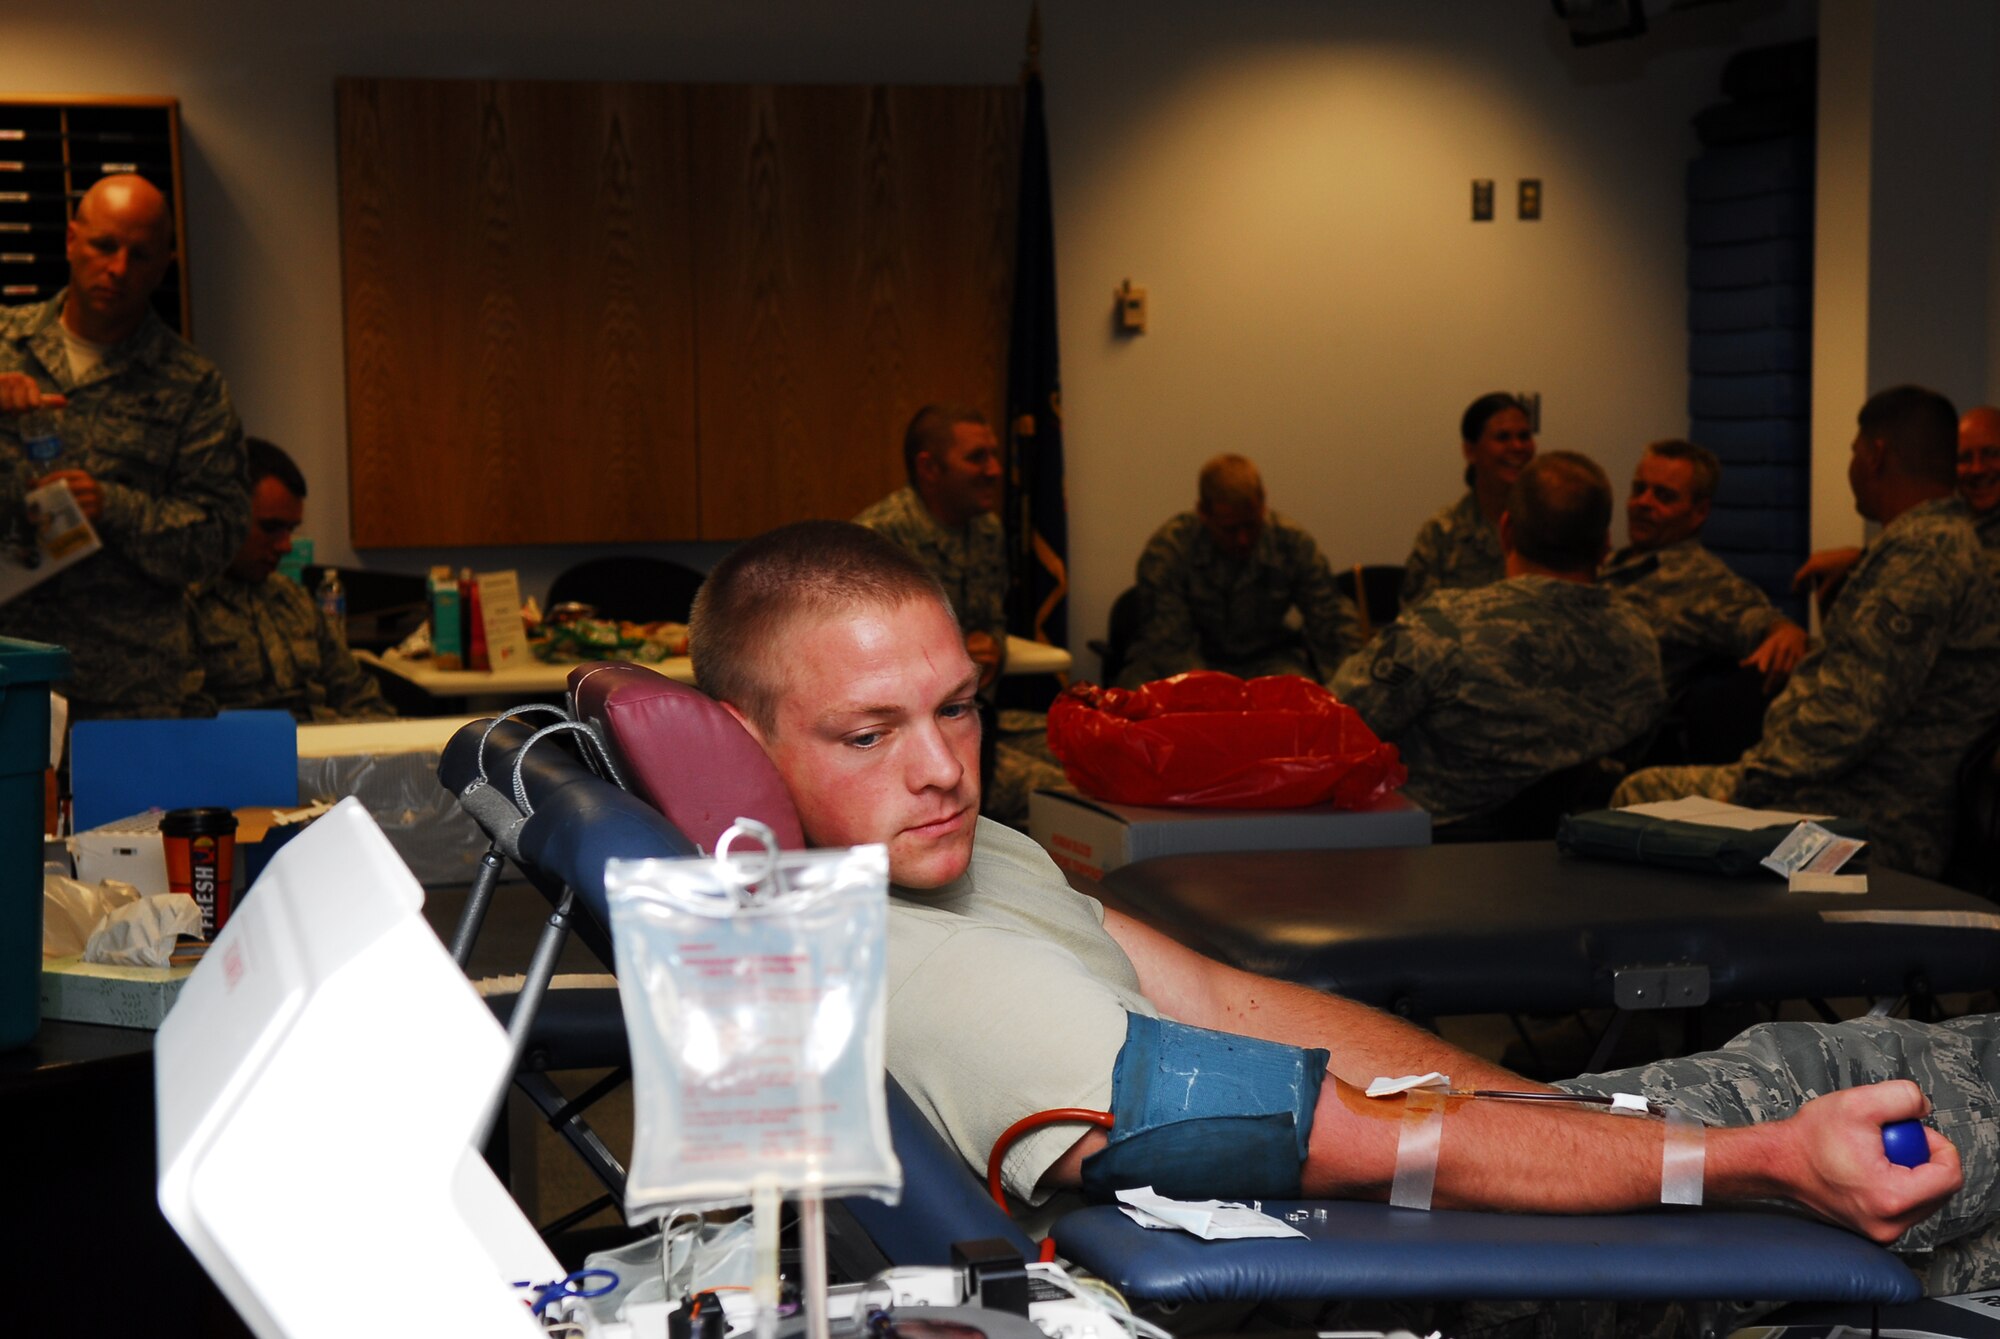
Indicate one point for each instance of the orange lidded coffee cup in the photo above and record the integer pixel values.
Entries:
(201, 858)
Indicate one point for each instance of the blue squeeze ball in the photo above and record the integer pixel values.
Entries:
(1903, 1141)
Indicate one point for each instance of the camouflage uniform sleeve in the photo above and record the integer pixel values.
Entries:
(1392, 680)
(1420, 568)
(1745, 610)
(1332, 628)
(1167, 643)
(189, 532)
(1876, 659)
(986, 583)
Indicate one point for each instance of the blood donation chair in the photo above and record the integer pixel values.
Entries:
(674, 746)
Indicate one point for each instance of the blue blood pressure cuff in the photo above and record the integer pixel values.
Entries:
(1206, 1115)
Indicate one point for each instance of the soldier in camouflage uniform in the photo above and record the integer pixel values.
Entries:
(948, 517)
(1220, 581)
(1695, 605)
(1876, 720)
(1460, 546)
(261, 639)
(1978, 484)
(151, 449)
(1487, 691)
(1979, 470)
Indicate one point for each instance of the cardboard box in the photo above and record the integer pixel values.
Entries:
(1094, 837)
(91, 992)
(130, 850)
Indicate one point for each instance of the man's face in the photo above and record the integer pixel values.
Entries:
(1662, 509)
(876, 734)
(1979, 461)
(1863, 468)
(1234, 526)
(118, 253)
(1504, 447)
(964, 482)
(275, 513)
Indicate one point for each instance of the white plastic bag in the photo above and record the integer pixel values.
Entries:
(753, 995)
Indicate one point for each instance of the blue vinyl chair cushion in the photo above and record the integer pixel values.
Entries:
(1372, 1251)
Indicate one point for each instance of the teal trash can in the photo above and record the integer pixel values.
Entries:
(26, 671)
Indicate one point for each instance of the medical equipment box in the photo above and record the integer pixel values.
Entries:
(96, 992)
(1094, 837)
(26, 671)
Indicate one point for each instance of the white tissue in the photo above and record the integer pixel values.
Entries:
(1211, 1220)
(1390, 1087)
(72, 910)
(143, 933)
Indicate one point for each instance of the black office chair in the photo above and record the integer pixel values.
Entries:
(1714, 719)
(631, 587)
(1128, 616)
(1975, 848)
(1377, 592)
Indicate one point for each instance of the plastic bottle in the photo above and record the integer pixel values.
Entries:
(41, 437)
(333, 600)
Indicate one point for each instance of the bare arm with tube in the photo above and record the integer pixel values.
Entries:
(1532, 1157)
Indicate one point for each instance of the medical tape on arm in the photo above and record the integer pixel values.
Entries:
(1419, 1136)
(1683, 1159)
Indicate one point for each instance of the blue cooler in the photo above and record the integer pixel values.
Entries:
(26, 671)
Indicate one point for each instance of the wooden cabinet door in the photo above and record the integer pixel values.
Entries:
(856, 249)
(520, 327)
(604, 313)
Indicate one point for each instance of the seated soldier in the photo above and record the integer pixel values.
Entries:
(1876, 720)
(1487, 690)
(1979, 470)
(1695, 605)
(1459, 547)
(1009, 993)
(1220, 581)
(1978, 484)
(260, 638)
(948, 517)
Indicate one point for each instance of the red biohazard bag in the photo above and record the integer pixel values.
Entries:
(1206, 739)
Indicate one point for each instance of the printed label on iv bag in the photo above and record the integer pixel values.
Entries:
(756, 1026)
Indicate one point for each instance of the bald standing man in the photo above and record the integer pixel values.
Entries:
(151, 448)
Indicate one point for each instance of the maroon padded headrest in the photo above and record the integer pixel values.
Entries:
(683, 753)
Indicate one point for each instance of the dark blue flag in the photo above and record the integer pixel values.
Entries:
(1038, 515)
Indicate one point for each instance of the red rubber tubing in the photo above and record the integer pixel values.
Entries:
(1054, 1116)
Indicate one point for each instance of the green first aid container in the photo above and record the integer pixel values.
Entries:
(26, 671)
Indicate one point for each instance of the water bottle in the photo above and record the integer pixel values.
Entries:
(333, 601)
(41, 437)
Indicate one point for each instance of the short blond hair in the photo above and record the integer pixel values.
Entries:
(742, 612)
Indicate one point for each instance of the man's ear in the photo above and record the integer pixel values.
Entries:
(1701, 513)
(748, 725)
(928, 466)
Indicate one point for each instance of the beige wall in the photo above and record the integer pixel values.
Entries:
(1289, 178)
(1906, 279)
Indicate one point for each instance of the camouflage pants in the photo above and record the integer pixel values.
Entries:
(1767, 1072)
(1673, 783)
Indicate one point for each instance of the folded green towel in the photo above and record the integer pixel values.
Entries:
(1612, 834)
